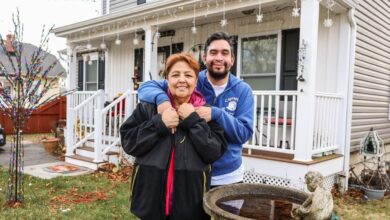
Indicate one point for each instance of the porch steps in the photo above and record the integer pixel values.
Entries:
(83, 161)
(83, 156)
(89, 151)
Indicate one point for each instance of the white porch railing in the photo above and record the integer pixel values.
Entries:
(108, 122)
(78, 97)
(326, 123)
(274, 124)
(80, 122)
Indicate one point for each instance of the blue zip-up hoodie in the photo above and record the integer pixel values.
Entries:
(232, 109)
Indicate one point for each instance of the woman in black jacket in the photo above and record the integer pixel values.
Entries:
(173, 150)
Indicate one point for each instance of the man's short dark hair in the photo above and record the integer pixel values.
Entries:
(219, 36)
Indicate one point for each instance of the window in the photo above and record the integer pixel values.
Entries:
(259, 60)
(259, 55)
(91, 72)
(91, 75)
(141, 2)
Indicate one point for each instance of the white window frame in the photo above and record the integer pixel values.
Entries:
(94, 57)
(278, 55)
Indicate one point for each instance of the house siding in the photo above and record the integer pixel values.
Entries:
(118, 74)
(118, 5)
(104, 7)
(371, 92)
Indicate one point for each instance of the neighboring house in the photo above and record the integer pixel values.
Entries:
(43, 119)
(302, 73)
(28, 50)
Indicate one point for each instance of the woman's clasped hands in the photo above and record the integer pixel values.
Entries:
(171, 116)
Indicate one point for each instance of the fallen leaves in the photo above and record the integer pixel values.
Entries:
(113, 173)
(14, 205)
(75, 197)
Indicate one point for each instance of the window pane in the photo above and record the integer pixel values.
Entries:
(259, 55)
(91, 87)
(91, 71)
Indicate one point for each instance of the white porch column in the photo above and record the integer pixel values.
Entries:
(150, 53)
(72, 59)
(306, 99)
(71, 84)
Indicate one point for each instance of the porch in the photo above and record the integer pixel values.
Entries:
(92, 134)
(299, 71)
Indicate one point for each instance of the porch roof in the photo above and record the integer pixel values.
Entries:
(164, 13)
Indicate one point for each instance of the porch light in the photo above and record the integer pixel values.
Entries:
(88, 46)
(135, 41)
(118, 41)
(103, 46)
(193, 30)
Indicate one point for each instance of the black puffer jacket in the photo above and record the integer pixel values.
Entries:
(198, 144)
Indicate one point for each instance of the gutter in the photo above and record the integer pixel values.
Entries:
(347, 153)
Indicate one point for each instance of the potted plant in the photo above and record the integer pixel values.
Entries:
(375, 183)
(50, 144)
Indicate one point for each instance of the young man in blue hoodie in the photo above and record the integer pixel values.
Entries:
(231, 102)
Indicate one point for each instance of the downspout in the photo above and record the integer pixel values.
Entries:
(348, 125)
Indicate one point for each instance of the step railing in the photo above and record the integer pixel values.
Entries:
(274, 121)
(81, 121)
(78, 97)
(108, 122)
(326, 122)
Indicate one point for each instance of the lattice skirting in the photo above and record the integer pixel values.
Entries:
(252, 177)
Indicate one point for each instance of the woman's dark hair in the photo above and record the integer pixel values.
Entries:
(219, 36)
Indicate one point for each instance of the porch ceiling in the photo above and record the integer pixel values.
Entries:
(178, 12)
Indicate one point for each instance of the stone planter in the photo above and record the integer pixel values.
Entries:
(50, 145)
(245, 191)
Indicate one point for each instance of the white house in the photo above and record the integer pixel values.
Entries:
(298, 56)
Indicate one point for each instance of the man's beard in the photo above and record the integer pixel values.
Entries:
(218, 75)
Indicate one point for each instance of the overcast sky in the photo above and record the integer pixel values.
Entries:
(36, 13)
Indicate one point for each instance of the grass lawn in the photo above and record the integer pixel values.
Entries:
(352, 207)
(93, 196)
(102, 195)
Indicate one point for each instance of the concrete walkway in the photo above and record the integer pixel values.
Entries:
(34, 154)
(37, 162)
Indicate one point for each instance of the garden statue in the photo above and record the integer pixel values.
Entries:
(319, 205)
